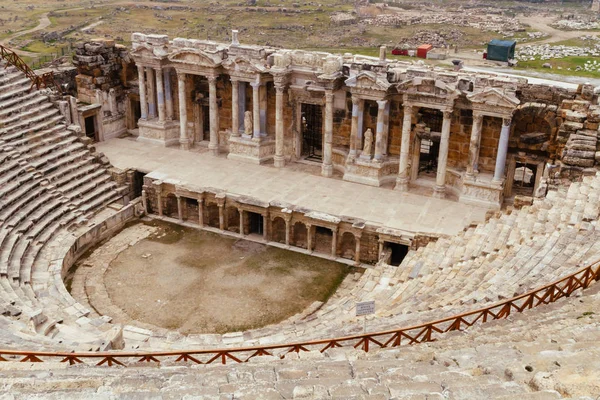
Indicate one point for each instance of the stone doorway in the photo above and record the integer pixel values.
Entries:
(397, 252)
(255, 223)
(90, 127)
(312, 131)
(524, 179)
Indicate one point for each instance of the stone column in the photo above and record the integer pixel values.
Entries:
(380, 249)
(354, 129)
(279, 159)
(159, 202)
(201, 212)
(235, 108)
(502, 150)
(143, 99)
(151, 94)
(334, 242)
(474, 146)
(386, 128)
(241, 221)
(221, 216)
(160, 95)
(255, 109)
(439, 190)
(263, 110)
(357, 249)
(265, 227)
(287, 220)
(242, 105)
(179, 208)
(168, 93)
(403, 178)
(360, 127)
(184, 141)
(327, 166)
(145, 200)
(309, 238)
(213, 145)
(380, 134)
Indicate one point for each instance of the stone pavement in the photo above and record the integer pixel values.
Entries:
(407, 211)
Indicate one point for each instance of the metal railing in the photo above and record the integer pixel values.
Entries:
(44, 80)
(426, 332)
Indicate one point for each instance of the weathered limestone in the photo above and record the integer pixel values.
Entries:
(213, 146)
(142, 86)
(327, 167)
(279, 158)
(403, 177)
(440, 180)
(184, 141)
(474, 146)
(160, 95)
(502, 150)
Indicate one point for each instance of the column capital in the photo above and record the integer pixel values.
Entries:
(279, 89)
(478, 116)
(408, 108)
(506, 121)
(157, 69)
(355, 100)
(329, 96)
(382, 104)
(181, 75)
(255, 84)
(447, 113)
(212, 79)
(234, 79)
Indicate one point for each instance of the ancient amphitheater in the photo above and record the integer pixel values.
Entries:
(470, 200)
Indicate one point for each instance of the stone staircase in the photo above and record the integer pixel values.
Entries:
(51, 185)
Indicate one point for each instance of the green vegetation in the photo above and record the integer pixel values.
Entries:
(563, 63)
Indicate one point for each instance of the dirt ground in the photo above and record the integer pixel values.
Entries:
(200, 282)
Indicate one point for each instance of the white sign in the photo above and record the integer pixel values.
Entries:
(364, 308)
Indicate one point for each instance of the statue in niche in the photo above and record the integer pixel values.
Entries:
(248, 123)
(368, 143)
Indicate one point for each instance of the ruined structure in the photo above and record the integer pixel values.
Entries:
(466, 136)
(476, 138)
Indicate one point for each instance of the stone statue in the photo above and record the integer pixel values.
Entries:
(248, 123)
(368, 143)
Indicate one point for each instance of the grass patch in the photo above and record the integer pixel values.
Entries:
(564, 63)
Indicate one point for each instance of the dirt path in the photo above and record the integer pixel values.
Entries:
(542, 24)
(43, 23)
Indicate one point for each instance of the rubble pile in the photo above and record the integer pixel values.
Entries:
(576, 25)
(436, 39)
(491, 23)
(549, 52)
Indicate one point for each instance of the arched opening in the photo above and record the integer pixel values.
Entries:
(211, 215)
(170, 209)
(278, 230)
(232, 216)
(323, 240)
(347, 246)
(300, 235)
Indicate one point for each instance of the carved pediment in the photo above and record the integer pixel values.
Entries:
(143, 52)
(195, 57)
(368, 80)
(494, 97)
(428, 87)
(241, 64)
